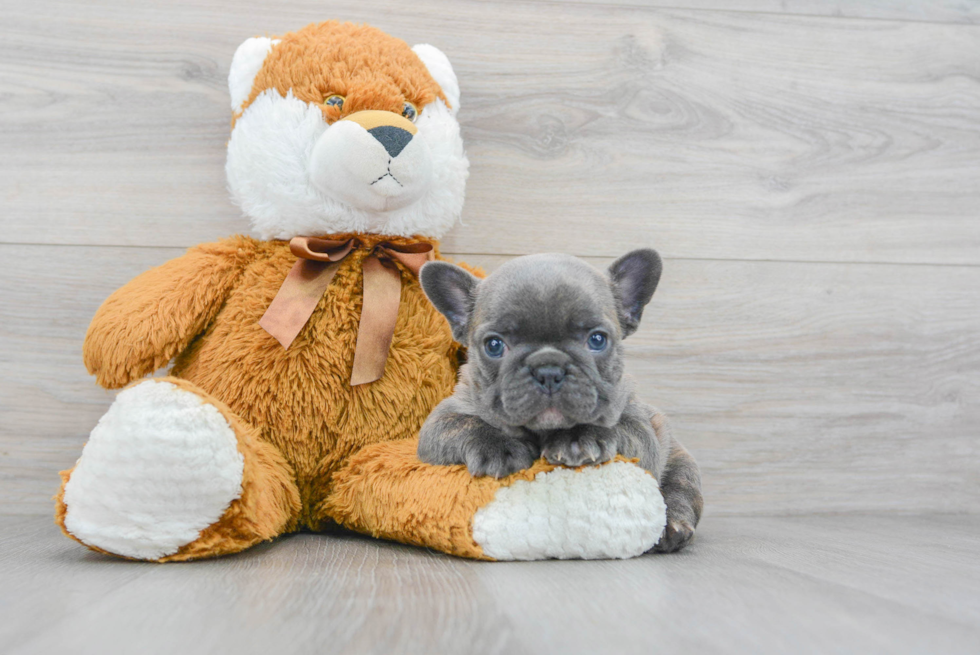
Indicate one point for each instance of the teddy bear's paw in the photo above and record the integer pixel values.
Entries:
(612, 511)
(160, 466)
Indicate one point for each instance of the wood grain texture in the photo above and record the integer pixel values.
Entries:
(938, 11)
(707, 134)
(798, 387)
(804, 585)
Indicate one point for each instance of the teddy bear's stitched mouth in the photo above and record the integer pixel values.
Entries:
(388, 174)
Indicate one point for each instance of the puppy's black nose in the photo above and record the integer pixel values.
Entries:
(549, 378)
(394, 139)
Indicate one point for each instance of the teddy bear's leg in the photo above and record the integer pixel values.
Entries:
(170, 473)
(609, 511)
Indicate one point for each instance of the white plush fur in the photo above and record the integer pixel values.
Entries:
(441, 71)
(160, 466)
(352, 166)
(614, 511)
(292, 174)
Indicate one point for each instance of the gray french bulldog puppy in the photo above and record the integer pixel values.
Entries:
(544, 375)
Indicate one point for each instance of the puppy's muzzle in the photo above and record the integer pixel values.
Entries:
(547, 368)
(549, 378)
(392, 131)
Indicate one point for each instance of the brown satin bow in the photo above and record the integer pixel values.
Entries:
(309, 278)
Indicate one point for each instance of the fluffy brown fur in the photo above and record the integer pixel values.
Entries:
(385, 491)
(371, 69)
(298, 420)
(299, 400)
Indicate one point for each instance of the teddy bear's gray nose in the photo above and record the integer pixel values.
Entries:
(549, 378)
(394, 139)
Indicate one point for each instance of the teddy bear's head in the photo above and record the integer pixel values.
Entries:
(342, 128)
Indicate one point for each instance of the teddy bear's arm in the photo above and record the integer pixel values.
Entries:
(150, 320)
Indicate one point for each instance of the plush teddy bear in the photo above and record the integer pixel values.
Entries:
(304, 361)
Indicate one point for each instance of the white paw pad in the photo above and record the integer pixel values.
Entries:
(160, 466)
(607, 512)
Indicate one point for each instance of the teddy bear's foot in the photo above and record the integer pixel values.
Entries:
(613, 511)
(610, 511)
(169, 473)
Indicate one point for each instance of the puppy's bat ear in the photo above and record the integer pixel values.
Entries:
(451, 290)
(634, 278)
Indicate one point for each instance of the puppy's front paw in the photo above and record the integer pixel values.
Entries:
(500, 457)
(583, 444)
(677, 534)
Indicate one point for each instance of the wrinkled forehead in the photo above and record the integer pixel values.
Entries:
(543, 295)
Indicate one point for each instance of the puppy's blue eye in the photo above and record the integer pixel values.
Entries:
(494, 347)
(598, 342)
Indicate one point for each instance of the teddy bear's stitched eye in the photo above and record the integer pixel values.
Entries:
(410, 112)
(334, 101)
(494, 347)
(598, 341)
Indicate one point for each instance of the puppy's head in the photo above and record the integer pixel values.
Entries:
(544, 334)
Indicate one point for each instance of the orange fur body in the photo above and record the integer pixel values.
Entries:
(299, 400)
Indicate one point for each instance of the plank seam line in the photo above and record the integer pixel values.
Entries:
(719, 10)
(461, 255)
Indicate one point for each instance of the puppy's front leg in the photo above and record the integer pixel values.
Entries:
(582, 444)
(452, 437)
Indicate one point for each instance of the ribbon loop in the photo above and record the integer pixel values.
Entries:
(318, 261)
(321, 250)
(410, 255)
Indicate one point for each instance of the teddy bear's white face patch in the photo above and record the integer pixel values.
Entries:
(378, 168)
(295, 175)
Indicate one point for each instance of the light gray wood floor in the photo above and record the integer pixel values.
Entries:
(841, 584)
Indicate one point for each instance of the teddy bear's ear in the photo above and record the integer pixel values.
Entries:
(245, 65)
(441, 70)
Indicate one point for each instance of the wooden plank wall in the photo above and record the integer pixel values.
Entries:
(809, 169)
